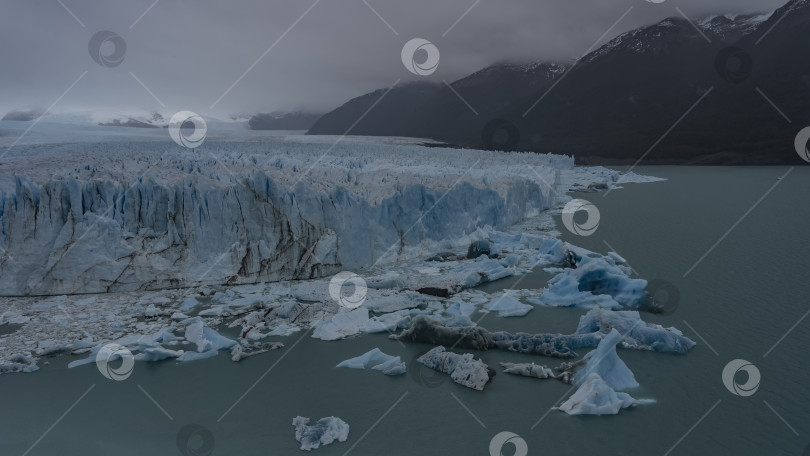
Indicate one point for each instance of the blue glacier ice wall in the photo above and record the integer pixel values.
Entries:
(68, 235)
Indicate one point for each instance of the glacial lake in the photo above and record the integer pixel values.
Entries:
(742, 298)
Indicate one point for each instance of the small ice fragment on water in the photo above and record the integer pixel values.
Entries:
(323, 432)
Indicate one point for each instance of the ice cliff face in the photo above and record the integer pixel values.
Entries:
(185, 222)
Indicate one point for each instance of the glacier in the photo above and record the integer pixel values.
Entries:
(129, 216)
(182, 245)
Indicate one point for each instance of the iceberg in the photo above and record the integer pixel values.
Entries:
(324, 432)
(377, 360)
(600, 282)
(596, 397)
(636, 334)
(427, 330)
(157, 354)
(605, 362)
(528, 370)
(343, 324)
(508, 306)
(463, 369)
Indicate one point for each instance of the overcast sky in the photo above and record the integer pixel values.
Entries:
(189, 52)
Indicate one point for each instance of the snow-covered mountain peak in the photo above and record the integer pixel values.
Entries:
(733, 26)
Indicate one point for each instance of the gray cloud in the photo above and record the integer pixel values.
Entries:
(188, 52)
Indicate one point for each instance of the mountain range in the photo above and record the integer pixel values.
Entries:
(725, 89)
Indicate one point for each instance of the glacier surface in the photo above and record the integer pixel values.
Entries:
(130, 216)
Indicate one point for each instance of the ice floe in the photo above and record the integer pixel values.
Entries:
(377, 360)
(596, 397)
(463, 369)
(324, 432)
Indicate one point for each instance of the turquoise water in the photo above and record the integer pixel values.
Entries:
(742, 298)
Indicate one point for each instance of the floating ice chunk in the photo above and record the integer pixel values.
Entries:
(508, 306)
(592, 278)
(217, 341)
(195, 356)
(188, 304)
(284, 329)
(637, 334)
(194, 335)
(385, 301)
(323, 432)
(377, 360)
(18, 363)
(529, 370)
(633, 178)
(391, 279)
(157, 354)
(213, 311)
(206, 338)
(463, 369)
(387, 322)
(605, 362)
(457, 321)
(179, 316)
(552, 345)
(343, 324)
(240, 351)
(429, 331)
(553, 251)
(596, 397)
